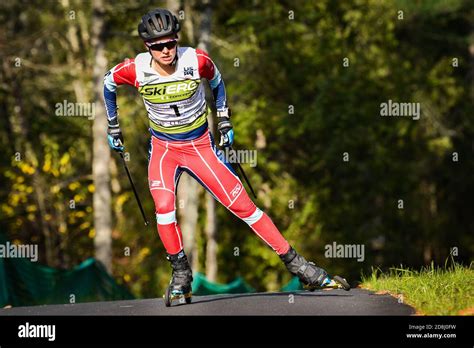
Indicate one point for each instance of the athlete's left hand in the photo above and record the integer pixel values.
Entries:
(225, 128)
(227, 138)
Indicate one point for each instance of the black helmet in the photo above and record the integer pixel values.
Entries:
(158, 23)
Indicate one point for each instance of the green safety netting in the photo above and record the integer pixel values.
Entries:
(202, 286)
(293, 285)
(25, 283)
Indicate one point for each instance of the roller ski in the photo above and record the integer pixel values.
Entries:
(180, 284)
(311, 276)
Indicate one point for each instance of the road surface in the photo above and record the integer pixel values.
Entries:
(321, 302)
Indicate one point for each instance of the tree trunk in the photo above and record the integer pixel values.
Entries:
(101, 153)
(188, 203)
(187, 193)
(211, 218)
(173, 6)
(76, 66)
(188, 24)
(211, 246)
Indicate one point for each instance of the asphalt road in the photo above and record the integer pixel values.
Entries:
(320, 302)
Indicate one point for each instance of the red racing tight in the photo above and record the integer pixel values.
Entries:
(198, 157)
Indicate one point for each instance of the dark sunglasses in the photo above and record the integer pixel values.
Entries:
(159, 47)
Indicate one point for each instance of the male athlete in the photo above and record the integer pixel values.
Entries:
(169, 79)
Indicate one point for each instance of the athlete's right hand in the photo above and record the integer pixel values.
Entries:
(115, 138)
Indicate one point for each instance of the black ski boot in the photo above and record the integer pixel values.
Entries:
(308, 273)
(182, 277)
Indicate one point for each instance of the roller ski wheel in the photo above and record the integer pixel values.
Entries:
(342, 283)
(335, 282)
(188, 298)
(169, 297)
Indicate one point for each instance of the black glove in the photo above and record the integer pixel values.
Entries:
(115, 138)
(224, 126)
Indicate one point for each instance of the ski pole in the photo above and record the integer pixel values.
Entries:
(245, 176)
(133, 188)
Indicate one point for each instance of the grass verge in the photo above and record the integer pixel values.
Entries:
(431, 290)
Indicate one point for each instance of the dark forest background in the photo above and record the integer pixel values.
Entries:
(305, 81)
